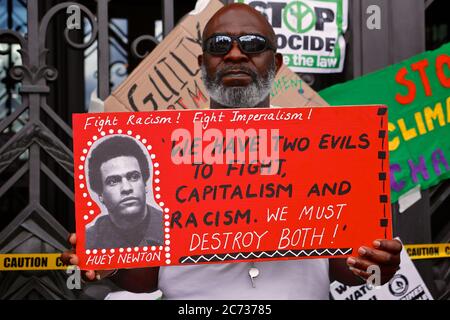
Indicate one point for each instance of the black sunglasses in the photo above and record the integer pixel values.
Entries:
(220, 44)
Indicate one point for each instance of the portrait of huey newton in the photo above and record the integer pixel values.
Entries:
(118, 171)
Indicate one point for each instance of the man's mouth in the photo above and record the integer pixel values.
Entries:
(129, 201)
(236, 77)
(236, 73)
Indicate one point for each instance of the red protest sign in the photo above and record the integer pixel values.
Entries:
(211, 186)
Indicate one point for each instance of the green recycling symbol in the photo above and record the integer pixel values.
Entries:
(299, 17)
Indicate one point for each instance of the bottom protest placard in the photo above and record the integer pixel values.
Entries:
(406, 284)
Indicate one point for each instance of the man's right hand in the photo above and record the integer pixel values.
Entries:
(134, 280)
(70, 258)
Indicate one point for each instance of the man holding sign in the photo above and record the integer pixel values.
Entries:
(238, 63)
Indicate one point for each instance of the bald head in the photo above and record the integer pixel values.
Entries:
(239, 18)
(237, 77)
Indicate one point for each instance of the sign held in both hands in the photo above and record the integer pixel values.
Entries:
(220, 186)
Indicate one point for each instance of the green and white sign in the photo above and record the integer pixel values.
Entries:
(310, 33)
(417, 93)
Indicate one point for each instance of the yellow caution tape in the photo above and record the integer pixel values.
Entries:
(52, 261)
(428, 251)
(31, 261)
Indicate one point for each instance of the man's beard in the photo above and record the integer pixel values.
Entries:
(239, 97)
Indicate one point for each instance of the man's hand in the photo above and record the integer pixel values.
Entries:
(385, 254)
(70, 258)
(134, 280)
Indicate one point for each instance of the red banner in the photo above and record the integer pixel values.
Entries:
(215, 186)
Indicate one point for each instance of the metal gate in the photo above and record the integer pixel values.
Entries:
(35, 141)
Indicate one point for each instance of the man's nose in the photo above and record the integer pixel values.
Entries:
(126, 186)
(235, 54)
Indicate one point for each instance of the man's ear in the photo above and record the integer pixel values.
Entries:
(100, 197)
(278, 60)
(200, 60)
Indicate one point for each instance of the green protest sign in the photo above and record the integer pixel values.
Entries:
(310, 33)
(417, 93)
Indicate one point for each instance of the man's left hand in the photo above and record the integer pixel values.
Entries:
(385, 254)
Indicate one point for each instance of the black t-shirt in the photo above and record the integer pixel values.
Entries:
(105, 235)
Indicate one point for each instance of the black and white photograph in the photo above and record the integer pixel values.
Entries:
(119, 177)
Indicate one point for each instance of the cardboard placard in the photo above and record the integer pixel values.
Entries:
(169, 77)
(229, 185)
